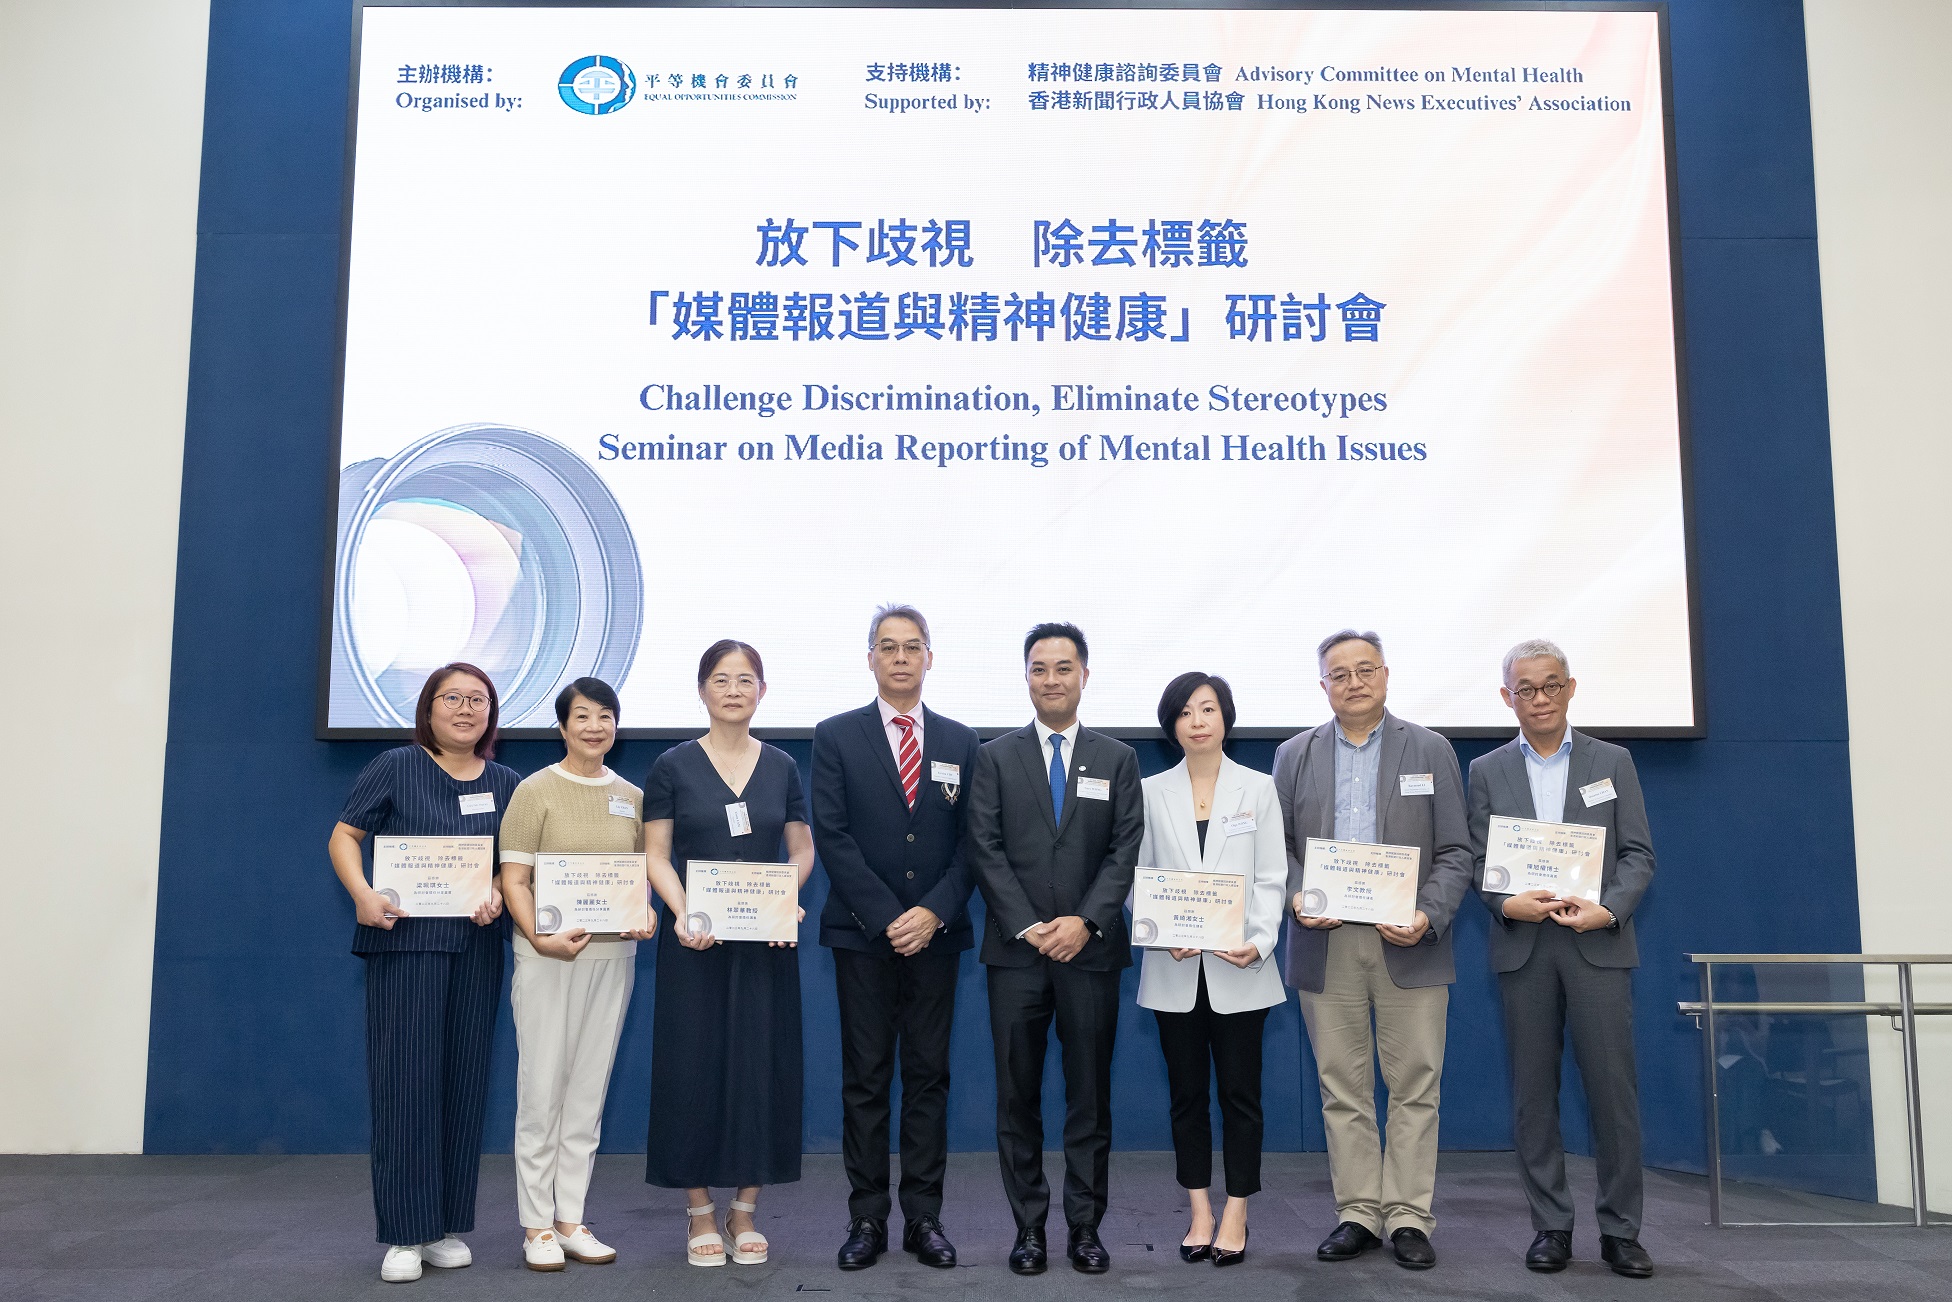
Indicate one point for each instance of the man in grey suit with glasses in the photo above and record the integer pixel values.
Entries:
(1566, 964)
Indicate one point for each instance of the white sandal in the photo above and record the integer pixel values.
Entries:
(708, 1238)
(743, 1254)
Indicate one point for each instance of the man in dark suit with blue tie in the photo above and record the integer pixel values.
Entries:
(888, 814)
(1056, 815)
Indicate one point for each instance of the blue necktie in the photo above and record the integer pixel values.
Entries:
(1057, 776)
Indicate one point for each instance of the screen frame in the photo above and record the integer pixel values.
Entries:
(323, 729)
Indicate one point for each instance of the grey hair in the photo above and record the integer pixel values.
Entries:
(1340, 636)
(1531, 647)
(897, 610)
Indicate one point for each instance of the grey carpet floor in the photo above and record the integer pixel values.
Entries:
(138, 1228)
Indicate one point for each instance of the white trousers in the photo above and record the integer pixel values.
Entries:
(568, 1017)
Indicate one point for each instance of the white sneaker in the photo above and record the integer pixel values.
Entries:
(402, 1264)
(585, 1247)
(448, 1254)
(543, 1252)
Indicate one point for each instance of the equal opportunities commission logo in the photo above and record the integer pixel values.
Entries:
(597, 84)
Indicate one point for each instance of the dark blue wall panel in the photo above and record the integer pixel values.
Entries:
(256, 1034)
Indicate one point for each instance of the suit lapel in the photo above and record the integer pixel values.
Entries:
(1388, 764)
(1321, 762)
(1084, 752)
(1512, 772)
(1579, 773)
(1038, 772)
(877, 738)
(1226, 801)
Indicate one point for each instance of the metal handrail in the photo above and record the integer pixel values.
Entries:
(1905, 1013)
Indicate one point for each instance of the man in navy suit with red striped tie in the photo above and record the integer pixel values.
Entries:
(888, 826)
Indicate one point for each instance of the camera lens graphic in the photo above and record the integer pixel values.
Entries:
(482, 543)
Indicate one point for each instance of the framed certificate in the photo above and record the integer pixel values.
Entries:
(1172, 909)
(1358, 882)
(434, 876)
(742, 901)
(604, 894)
(1523, 855)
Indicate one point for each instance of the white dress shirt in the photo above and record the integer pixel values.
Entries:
(888, 713)
(1547, 775)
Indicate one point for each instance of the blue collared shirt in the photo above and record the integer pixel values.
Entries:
(1547, 774)
(1357, 770)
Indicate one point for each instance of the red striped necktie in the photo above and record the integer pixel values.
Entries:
(911, 757)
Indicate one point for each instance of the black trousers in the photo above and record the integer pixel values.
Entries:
(1023, 1003)
(430, 1026)
(893, 1007)
(1557, 991)
(1229, 1044)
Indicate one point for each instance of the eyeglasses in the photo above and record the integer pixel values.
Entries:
(1361, 673)
(1551, 688)
(455, 700)
(888, 647)
(745, 682)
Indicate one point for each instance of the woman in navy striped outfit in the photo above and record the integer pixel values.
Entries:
(432, 984)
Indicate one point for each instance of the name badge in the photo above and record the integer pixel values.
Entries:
(940, 772)
(1235, 824)
(1095, 788)
(1415, 784)
(737, 820)
(483, 802)
(622, 808)
(1598, 793)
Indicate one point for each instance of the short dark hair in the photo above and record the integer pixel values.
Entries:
(423, 713)
(724, 647)
(594, 690)
(1342, 635)
(1042, 631)
(1179, 691)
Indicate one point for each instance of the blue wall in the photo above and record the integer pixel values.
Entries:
(256, 1040)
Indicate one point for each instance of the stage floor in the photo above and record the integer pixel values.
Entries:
(138, 1228)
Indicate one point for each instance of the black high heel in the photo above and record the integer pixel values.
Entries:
(1232, 1258)
(1191, 1252)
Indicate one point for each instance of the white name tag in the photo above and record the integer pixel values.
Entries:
(481, 802)
(1415, 784)
(737, 820)
(949, 773)
(1598, 793)
(1094, 788)
(1235, 824)
(622, 808)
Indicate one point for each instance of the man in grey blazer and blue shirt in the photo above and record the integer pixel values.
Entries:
(1368, 776)
(1568, 963)
(1056, 815)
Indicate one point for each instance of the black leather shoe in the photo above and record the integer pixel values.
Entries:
(1195, 1251)
(1346, 1242)
(1550, 1251)
(1027, 1258)
(1626, 1256)
(1232, 1258)
(1088, 1255)
(867, 1239)
(1413, 1250)
(923, 1236)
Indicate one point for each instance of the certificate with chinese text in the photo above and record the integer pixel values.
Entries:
(434, 876)
(1565, 858)
(1358, 882)
(1186, 910)
(604, 894)
(743, 901)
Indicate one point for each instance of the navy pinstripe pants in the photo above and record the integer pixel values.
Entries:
(430, 1025)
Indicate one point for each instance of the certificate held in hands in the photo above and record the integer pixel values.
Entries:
(434, 876)
(1523, 855)
(604, 894)
(742, 901)
(1185, 910)
(1356, 882)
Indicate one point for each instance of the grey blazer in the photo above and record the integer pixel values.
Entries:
(1032, 868)
(1304, 780)
(1501, 788)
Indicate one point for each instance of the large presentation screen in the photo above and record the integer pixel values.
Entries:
(1211, 331)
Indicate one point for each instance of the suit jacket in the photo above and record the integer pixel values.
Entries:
(882, 858)
(1304, 780)
(1501, 788)
(1172, 842)
(1031, 867)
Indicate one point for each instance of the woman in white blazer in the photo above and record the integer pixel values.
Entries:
(1209, 814)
